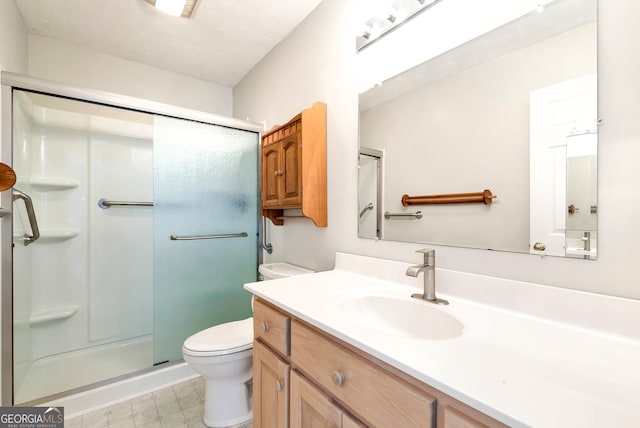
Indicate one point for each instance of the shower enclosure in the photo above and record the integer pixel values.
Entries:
(132, 226)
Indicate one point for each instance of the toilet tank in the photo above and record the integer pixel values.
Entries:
(280, 270)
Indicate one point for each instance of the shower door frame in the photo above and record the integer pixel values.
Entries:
(11, 81)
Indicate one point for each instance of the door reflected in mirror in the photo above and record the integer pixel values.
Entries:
(582, 195)
(500, 112)
(369, 193)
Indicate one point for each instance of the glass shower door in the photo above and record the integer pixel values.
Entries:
(205, 229)
(82, 292)
(105, 291)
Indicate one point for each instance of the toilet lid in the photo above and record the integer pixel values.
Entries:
(221, 339)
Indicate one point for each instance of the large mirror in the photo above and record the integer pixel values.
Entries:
(491, 145)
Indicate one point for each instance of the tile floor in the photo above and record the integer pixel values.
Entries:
(174, 407)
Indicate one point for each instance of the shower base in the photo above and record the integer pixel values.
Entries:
(71, 370)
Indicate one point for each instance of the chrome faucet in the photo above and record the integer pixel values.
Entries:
(428, 268)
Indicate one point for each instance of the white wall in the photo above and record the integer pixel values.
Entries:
(13, 39)
(89, 69)
(318, 62)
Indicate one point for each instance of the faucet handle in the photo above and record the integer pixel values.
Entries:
(429, 256)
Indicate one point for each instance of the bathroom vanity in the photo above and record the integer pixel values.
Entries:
(305, 376)
(349, 347)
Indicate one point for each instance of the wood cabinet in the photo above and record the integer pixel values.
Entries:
(282, 180)
(271, 385)
(333, 384)
(271, 368)
(294, 167)
(310, 407)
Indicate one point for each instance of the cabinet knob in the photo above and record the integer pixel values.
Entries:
(265, 327)
(278, 173)
(279, 385)
(338, 378)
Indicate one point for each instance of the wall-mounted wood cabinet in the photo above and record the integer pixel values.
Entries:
(294, 167)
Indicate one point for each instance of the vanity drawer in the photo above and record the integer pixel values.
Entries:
(272, 327)
(377, 396)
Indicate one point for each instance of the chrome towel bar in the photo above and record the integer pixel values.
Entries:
(367, 208)
(417, 214)
(104, 203)
(194, 238)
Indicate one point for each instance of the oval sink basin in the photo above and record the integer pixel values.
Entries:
(409, 317)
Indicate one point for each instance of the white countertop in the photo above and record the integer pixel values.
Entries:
(541, 356)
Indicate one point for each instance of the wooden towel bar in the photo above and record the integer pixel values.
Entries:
(452, 198)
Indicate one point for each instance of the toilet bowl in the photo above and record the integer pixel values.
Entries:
(223, 356)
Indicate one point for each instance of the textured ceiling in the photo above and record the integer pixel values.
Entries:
(220, 43)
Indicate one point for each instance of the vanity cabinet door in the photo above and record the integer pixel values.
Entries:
(270, 388)
(310, 407)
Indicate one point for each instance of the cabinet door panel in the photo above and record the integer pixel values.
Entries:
(291, 166)
(270, 384)
(271, 175)
(310, 408)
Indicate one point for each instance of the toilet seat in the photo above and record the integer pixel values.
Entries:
(223, 339)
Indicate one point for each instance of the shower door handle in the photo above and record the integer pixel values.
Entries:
(31, 214)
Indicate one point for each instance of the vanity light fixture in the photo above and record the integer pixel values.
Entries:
(390, 15)
(183, 8)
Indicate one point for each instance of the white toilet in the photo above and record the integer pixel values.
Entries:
(223, 356)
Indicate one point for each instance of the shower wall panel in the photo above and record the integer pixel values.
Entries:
(121, 245)
(59, 257)
(22, 124)
(88, 280)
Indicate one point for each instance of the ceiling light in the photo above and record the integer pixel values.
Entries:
(387, 15)
(182, 8)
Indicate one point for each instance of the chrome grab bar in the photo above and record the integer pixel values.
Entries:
(365, 209)
(417, 214)
(266, 246)
(31, 214)
(194, 238)
(104, 203)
